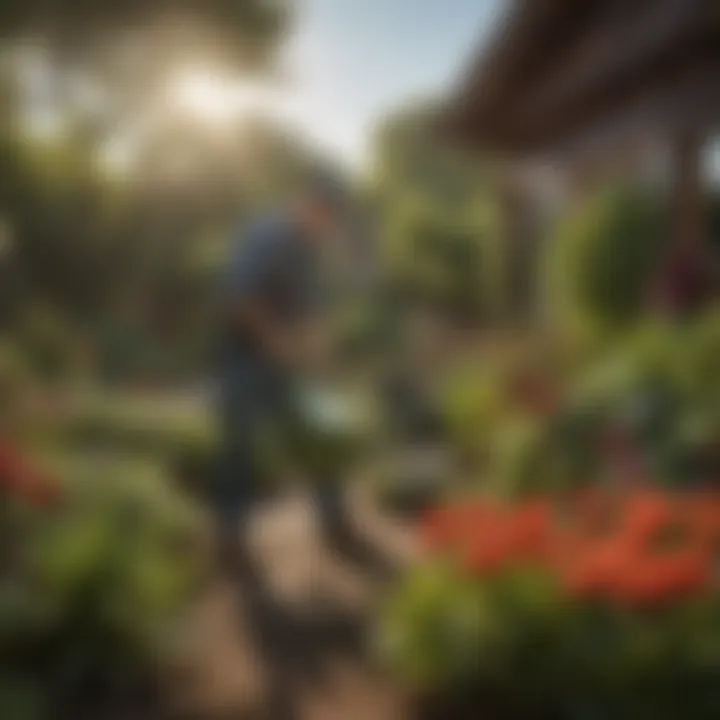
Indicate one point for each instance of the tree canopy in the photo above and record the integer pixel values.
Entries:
(244, 33)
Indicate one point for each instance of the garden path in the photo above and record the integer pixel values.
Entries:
(289, 641)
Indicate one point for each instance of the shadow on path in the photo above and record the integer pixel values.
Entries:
(298, 646)
(352, 548)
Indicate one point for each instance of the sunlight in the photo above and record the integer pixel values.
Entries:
(212, 98)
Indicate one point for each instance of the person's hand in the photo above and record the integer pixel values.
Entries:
(307, 349)
(283, 349)
(317, 348)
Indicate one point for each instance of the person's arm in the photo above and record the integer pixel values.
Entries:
(246, 304)
(249, 315)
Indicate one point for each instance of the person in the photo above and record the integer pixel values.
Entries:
(270, 292)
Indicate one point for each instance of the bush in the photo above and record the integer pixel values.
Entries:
(93, 580)
(645, 408)
(574, 608)
(604, 257)
(181, 437)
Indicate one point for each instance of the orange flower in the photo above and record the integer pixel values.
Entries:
(436, 530)
(656, 580)
(531, 529)
(451, 525)
(594, 569)
(595, 513)
(701, 514)
(647, 515)
(491, 550)
(609, 548)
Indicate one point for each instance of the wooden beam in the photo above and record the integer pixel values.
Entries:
(690, 228)
(660, 113)
(521, 48)
(625, 41)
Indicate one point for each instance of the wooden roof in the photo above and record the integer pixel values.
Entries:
(558, 70)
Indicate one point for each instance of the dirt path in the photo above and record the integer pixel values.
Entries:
(289, 642)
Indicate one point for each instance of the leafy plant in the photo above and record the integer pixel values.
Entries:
(591, 603)
(603, 258)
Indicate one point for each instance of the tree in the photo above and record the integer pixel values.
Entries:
(244, 33)
(141, 251)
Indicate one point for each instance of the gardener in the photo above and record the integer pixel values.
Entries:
(271, 294)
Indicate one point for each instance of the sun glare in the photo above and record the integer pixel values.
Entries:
(212, 98)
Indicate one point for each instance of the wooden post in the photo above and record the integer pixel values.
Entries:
(689, 226)
(684, 279)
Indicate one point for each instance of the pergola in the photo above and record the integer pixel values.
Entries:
(581, 82)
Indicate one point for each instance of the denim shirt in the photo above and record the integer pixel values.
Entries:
(275, 265)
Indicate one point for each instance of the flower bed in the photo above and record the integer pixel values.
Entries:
(590, 605)
(93, 576)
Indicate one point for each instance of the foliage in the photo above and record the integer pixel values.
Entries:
(496, 404)
(245, 31)
(124, 268)
(94, 574)
(604, 256)
(437, 219)
(645, 407)
(517, 599)
(179, 435)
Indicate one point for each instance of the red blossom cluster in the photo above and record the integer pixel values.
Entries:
(22, 480)
(640, 548)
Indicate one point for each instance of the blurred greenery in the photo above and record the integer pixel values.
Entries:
(440, 234)
(108, 271)
(96, 583)
(605, 255)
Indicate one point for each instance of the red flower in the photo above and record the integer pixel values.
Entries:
(655, 580)
(490, 550)
(593, 570)
(443, 528)
(436, 529)
(531, 529)
(610, 548)
(701, 513)
(648, 514)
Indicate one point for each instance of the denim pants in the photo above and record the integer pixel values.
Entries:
(254, 395)
(329, 501)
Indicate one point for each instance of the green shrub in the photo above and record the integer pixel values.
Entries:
(97, 584)
(528, 603)
(182, 437)
(603, 258)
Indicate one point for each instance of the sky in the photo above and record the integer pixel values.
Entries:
(350, 61)
(346, 63)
